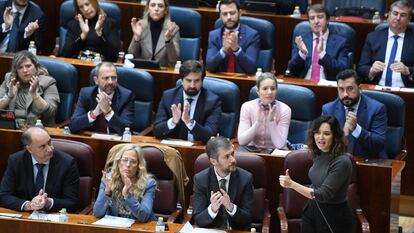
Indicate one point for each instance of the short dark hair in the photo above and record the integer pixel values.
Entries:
(191, 66)
(338, 145)
(104, 64)
(403, 4)
(318, 8)
(215, 144)
(26, 137)
(228, 2)
(346, 74)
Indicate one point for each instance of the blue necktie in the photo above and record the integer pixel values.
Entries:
(388, 75)
(14, 33)
(40, 179)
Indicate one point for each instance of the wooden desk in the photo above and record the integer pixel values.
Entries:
(378, 185)
(77, 223)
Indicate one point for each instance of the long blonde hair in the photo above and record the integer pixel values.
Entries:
(141, 176)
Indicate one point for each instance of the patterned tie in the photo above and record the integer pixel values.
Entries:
(230, 60)
(13, 36)
(40, 179)
(388, 75)
(316, 68)
(351, 139)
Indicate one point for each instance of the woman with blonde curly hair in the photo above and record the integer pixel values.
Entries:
(128, 190)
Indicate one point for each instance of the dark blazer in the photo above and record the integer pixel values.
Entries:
(372, 117)
(122, 105)
(107, 45)
(207, 115)
(62, 183)
(241, 194)
(335, 60)
(32, 13)
(374, 50)
(249, 41)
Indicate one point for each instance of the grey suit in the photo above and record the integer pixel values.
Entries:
(166, 54)
(241, 194)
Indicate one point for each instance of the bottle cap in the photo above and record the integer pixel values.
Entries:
(178, 62)
(129, 56)
(259, 69)
(160, 219)
(127, 129)
(32, 42)
(252, 229)
(38, 121)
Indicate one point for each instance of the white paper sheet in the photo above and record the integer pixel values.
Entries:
(113, 221)
(177, 142)
(106, 136)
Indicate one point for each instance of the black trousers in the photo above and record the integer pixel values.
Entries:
(339, 216)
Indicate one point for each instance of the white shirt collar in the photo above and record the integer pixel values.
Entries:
(22, 11)
(324, 36)
(34, 161)
(232, 30)
(219, 177)
(391, 34)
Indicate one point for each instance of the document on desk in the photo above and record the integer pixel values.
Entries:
(176, 142)
(112, 221)
(324, 82)
(8, 215)
(44, 217)
(187, 228)
(106, 136)
(280, 152)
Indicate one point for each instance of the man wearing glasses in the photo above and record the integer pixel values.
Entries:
(235, 46)
(387, 56)
(106, 107)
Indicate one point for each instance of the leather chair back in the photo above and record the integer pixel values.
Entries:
(338, 28)
(141, 83)
(67, 13)
(85, 157)
(189, 22)
(395, 106)
(66, 77)
(385, 25)
(267, 34)
(301, 101)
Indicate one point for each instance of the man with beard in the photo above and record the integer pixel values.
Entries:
(223, 193)
(387, 56)
(22, 22)
(363, 119)
(39, 177)
(106, 107)
(188, 111)
(319, 54)
(234, 47)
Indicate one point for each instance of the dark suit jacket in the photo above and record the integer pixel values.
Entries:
(241, 194)
(62, 183)
(32, 13)
(335, 60)
(372, 117)
(122, 105)
(249, 41)
(207, 115)
(374, 50)
(107, 45)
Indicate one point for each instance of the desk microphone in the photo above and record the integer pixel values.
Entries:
(323, 216)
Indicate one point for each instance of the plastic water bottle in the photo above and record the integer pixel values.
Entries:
(296, 12)
(218, 6)
(177, 67)
(252, 230)
(97, 59)
(258, 72)
(66, 130)
(127, 62)
(63, 215)
(127, 135)
(32, 48)
(39, 123)
(159, 226)
(376, 18)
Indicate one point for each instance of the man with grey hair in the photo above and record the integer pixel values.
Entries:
(223, 193)
(106, 107)
(39, 177)
(387, 56)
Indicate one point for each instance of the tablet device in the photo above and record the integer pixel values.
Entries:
(146, 64)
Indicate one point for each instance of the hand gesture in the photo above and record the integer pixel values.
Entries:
(226, 41)
(398, 66)
(104, 102)
(215, 200)
(234, 41)
(107, 179)
(127, 185)
(176, 113)
(8, 17)
(261, 116)
(136, 28)
(285, 180)
(31, 27)
(376, 67)
(84, 26)
(170, 29)
(34, 86)
(100, 24)
(301, 45)
(350, 123)
(39, 201)
(271, 113)
(13, 86)
(186, 113)
(226, 202)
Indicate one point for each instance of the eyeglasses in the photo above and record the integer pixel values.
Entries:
(126, 160)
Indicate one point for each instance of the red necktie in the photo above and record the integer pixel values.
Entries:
(230, 60)
(316, 68)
